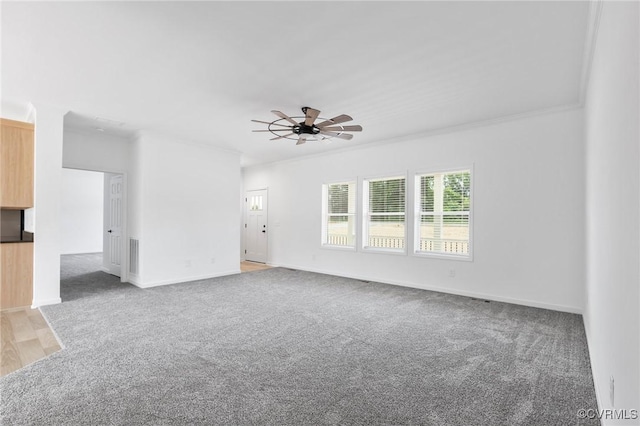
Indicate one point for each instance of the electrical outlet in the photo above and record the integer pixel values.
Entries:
(452, 273)
(313, 257)
(612, 391)
(213, 260)
(187, 263)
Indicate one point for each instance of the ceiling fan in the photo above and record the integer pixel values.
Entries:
(305, 129)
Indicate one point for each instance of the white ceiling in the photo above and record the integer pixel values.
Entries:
(203, 70)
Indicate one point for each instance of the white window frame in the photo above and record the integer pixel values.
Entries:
(326, 215)
(366, 214)
(417, 215)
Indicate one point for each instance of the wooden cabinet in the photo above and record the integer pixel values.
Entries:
(16, 275)
(16, 193)
(16, 164)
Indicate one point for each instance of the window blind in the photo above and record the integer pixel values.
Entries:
(385, 205)
(444, 208)
(339, 214)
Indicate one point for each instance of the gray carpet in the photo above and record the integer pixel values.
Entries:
(283, 347)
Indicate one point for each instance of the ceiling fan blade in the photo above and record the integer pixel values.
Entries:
(280, 137)
(301, 140)
(355, 128)
(286, 117)
(288, 129)
(335, 120)
(311, 115)
(272, 124)
(346, 136)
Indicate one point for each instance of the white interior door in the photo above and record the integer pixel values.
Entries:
(114, 227)
(256, 235)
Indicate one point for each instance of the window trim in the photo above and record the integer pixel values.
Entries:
(417, 214)
(364, 215)
(326, 214)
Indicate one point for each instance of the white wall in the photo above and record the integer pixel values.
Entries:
(613, 208)
(81, 211)
(48, 187)
(95, 151)
(528, 211)
(184, 210)
(182, 201)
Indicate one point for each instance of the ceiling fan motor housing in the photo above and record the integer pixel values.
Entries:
(304, 129)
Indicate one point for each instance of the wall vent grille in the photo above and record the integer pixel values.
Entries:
(134, 255)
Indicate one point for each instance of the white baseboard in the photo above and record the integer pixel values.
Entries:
(530, 303)
(139, 284)
(43, 302)
(134, 280)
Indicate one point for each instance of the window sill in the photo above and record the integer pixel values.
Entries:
(339, 248)
(444, 256)
(401, 252)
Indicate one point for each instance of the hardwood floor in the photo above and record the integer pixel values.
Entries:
(25, 338)
(247, 266)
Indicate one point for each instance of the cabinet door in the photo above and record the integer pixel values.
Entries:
(16, 275)
(16, 164)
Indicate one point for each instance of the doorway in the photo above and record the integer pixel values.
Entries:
(93, 221)
(256, 231)
(82, 210)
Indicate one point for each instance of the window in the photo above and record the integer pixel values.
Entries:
(384, 214)
(443, 208)
(256, 202)
(339, 209)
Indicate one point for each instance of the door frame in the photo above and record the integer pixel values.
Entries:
(246, 221)
(124, 248)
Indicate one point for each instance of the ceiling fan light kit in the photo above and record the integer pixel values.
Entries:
(302, 131)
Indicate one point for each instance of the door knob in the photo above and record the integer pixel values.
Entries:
(109, 231)
(264, 230)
